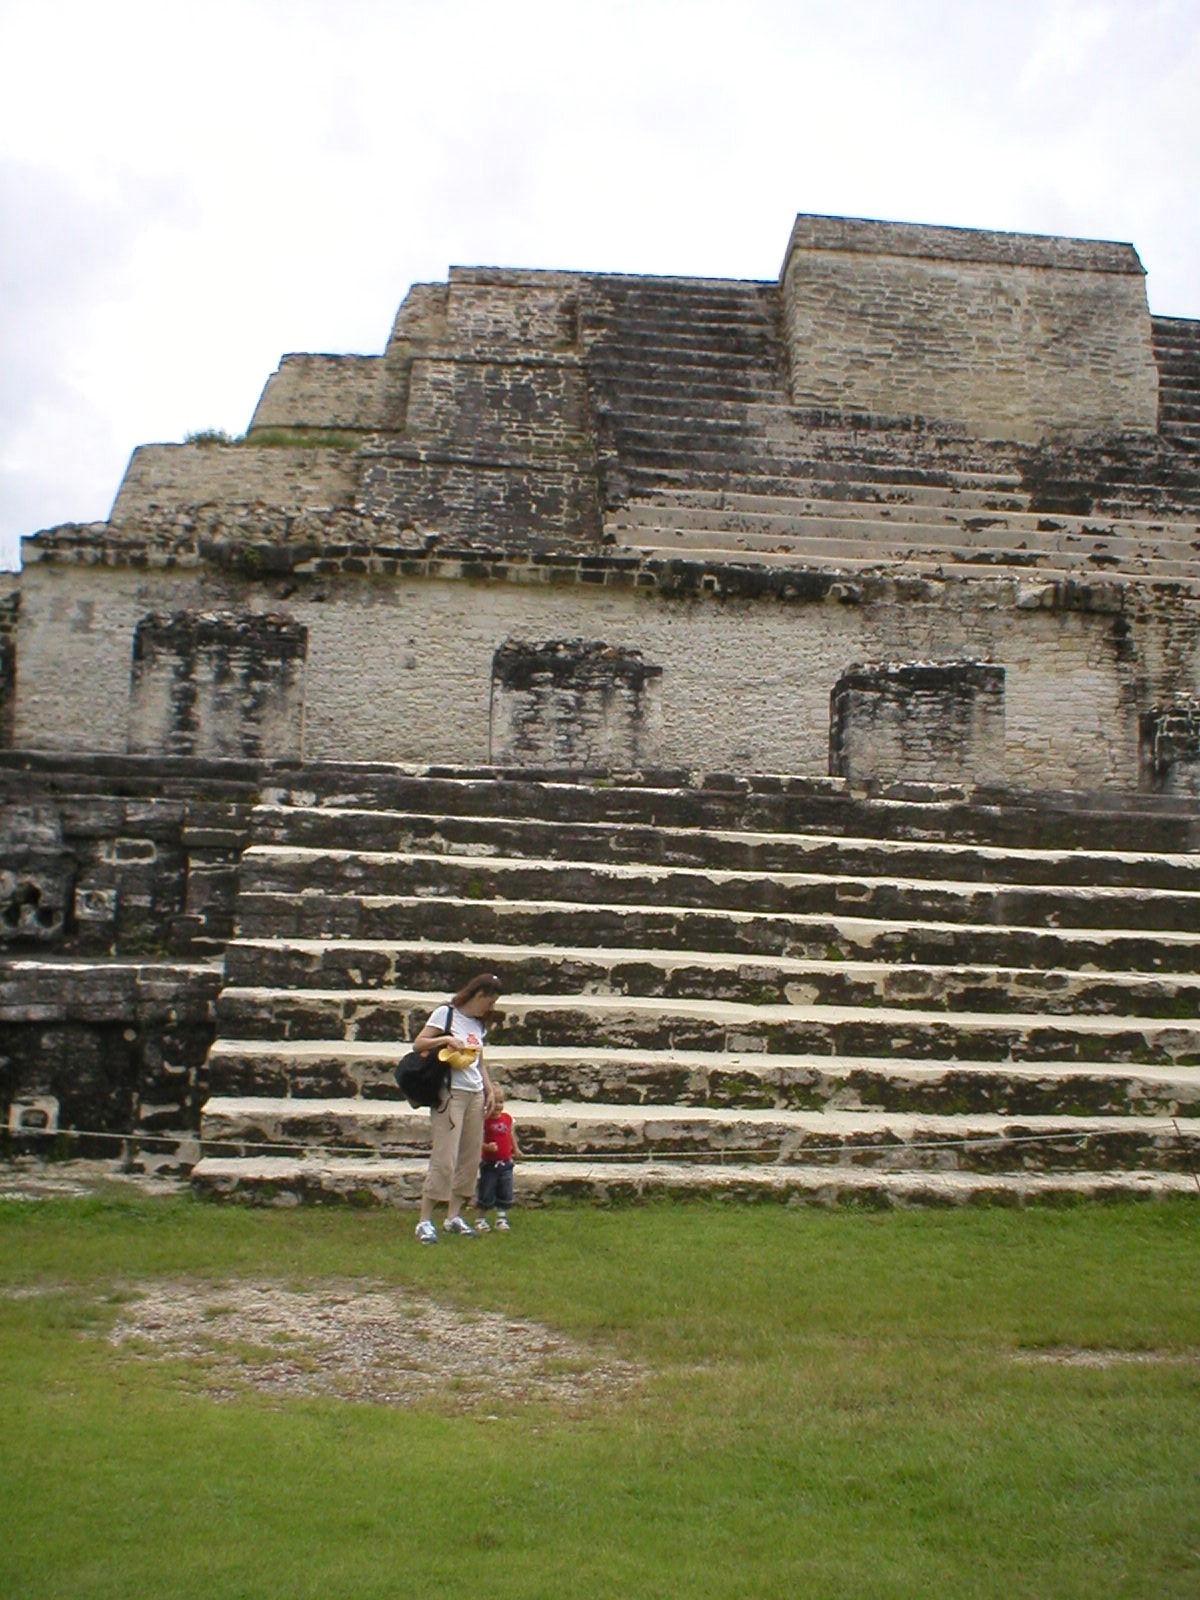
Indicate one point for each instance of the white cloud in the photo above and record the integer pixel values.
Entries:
(190, 192)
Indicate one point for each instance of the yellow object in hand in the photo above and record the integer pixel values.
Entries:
(458, 1059)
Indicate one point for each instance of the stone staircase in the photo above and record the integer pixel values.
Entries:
(703, 458)
(1177, 351)
(752, 987)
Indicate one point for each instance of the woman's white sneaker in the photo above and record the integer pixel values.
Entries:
(426, 1233)
(461, 1226)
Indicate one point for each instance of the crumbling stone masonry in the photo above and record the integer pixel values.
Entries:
(728, 566)
(920, 445)
(914, 718)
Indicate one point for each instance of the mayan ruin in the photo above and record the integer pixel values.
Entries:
(792, 687)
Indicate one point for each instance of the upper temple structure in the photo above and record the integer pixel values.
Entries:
(923, 507)
(791, 688)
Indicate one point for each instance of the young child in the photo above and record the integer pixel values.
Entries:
(495, 1187)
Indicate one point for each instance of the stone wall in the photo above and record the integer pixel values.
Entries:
(574, 702)
(400, 665)
(919, 721)
(116, 902)
(318, 391)
(520, 407)
(115, 1049)
(1014, 335)
(218, 684)
(512, 311)
(169, 475)
(131, 863)
(497, 443)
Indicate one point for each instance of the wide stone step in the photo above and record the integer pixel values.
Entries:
(647, 473)
(1179, 387)
(289, 870)
(704, 341)
(658, 349)
(713, 549)
(891, 1141)
(376, 964)
(660, 480)
(628, 1022)
(829, 494)
(323, 1069)
(706, 321)
(868, 518)
(282, 1180)
(845, 557)
(676, 798)
(615, 294)
(560, 924)
(647, 408)
(690, 453)
(714, 561)
(386, 831)
(612, 382)
(912, 501)
(646, 337)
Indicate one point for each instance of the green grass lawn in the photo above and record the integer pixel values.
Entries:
(834, 1404)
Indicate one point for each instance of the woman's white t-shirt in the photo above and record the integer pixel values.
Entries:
(467, 1029)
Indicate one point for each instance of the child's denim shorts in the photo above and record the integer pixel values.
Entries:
(495, 1185)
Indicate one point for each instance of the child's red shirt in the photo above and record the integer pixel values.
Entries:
(498, 1130)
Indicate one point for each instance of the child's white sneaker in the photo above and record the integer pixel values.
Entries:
(482, 1225)
(502, 1223)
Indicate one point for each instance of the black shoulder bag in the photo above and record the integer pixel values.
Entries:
(424, 1080)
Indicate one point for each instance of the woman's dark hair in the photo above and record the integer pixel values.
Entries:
(481, 983)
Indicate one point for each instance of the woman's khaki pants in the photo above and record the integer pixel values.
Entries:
(457, 1143)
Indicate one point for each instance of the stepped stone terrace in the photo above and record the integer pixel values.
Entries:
(809, 670)
(924, 507)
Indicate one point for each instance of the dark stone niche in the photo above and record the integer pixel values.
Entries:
(574, 702)
(928, 721)
(36, 878)
(1169, 748)
(219, 685)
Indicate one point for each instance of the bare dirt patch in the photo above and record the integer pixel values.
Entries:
(383, 1346)
(28, 1178)
(1069, 1356)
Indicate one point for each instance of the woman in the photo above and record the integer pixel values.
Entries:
(457, 1123)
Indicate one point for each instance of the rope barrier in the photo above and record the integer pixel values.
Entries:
(757, 1153)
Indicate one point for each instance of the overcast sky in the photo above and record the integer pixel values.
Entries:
(188, 191)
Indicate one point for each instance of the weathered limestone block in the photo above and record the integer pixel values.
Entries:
(919, 721)
(218, 685)
(490, 308)
(170, 475)
(335, 392)
(512, 406)
(507, 503)
(1018, 336)
(574, 703)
